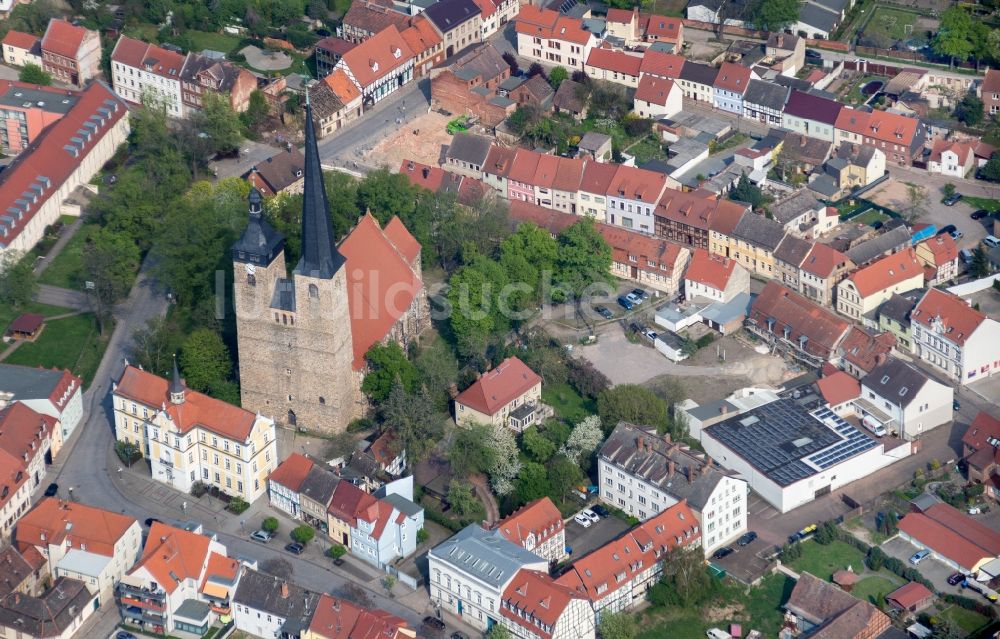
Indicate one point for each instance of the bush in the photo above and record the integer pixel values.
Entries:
(270, 525)
(237, 505)
(971, 604)
(423, 536)
(826, 534)
(360, 425)
(587, 380)
(303, 534)
(447, 522)
(128, 452)
(198, 489)
(875, 559)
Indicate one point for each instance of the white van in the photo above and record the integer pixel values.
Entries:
(875, 426)
(715, 633)
(991, 241)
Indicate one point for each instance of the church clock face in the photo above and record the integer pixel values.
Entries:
(251, 269)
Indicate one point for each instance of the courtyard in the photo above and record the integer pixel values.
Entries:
(423, 140)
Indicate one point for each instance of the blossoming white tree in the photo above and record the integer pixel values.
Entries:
(585, 438)
(505, 464)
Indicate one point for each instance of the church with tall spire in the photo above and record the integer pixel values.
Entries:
(302, 336)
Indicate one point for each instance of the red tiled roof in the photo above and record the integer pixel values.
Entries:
(46, 164)
(822, 260)
(23, 431)
(540, 518)
(522, 168)
(378, 56)
(291, 472)
(958, 318)
(339, 619)
(621, 16)
(646, 253)
(964, 150)
(429, 177)
(546, 23)
(710, 270)
(910, 595)
(402, 239)
(62, 38)
(879, 125)
(839, 388)
(733, 77)
(664, 28)
(615, 564)
(537, 601)
(866, 351)
(663, 64)
(13, 475)
(498, 387)
(822, 329)
(598, 176)
(696, 210)
(421, 36)
(612, 60)
(342, 87)
(172, 555)
(545, 171)
(27, 323)
(942, 248)
(348, 500)
(76, 524)
(568, 175)
(634, 183)
(982, 427)
(382, 287)
(991, 83)
(654, 90)
(550, 220)
(335, 45)
(952, 534)
(886, 273)
(382, 449)
(148, 57)
(499, 161)
(198, 410)
(20, 40)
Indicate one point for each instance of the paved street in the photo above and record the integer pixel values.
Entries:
(62, 297)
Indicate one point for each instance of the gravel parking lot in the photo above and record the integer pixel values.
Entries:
(583, 540)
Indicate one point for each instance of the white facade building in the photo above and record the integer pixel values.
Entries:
(912, 402)
(954, 337)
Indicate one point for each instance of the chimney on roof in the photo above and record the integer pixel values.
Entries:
(284, 590)
(671, 468)
(640, 442)
(724, 409)
(802, 140)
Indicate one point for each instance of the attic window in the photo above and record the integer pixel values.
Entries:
(902, 391)
(885, 379)
(396, 52)
(374, 65)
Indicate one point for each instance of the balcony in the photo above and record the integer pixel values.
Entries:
(140, 615)
(156, 606)
(141, 594)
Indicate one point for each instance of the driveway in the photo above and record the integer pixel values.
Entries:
(895, 195)
(266, 60)
(251, 154)
(934, 570)
(584, 540)
(747, 564)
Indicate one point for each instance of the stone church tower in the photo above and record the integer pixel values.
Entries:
(294, 334)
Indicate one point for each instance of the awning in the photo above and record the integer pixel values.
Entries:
(215, 590)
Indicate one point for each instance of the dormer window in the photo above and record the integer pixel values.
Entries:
(396, 53)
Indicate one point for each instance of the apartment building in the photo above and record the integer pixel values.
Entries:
(954, 337)
(546, 36)
(71, 54)
(537, 527)
(864, 290)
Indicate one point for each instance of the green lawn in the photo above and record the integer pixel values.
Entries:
(823, 561)
(72, 342)
(763, 605)
(873, 589)
(898, 23)
(210, 40)
(647, 149)
(982, 203)
(8, 314)
(568, 404)
(870, 217)
(968, 620)
(66, 270)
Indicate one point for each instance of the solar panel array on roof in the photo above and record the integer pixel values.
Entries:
(787, 443)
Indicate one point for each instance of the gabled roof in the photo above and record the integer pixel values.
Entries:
(662, 64)
(836, 613)
(534, 601)
(895, 381)
(569, 172)
(498, 387)
(759, 231)
(879, 125)
(663, 28)
(24, 431)
(148, 57)
(198, 410)
(887, 272)
(56, 613)
(20, 40)
(319, 485)
(469, 147)
(172, 555)
(270, 594)
(13, 475)
(991, 82)
(648, 253)
(710, 270)
(699, 73)
(540, 518)
(818, 17)
(910, 595)
(898, 307)
(378, 56)
(838, 388)
(421, 36)
(892, 240)
(282, 170)
(485, 555)
(568, 98)
(613, 60)
(813, 107)
(450, 14)
(942, 248)
(632, 183)
(549, 219)
(340, 619)
(792, 250)
(54, 521)
(483, 62)
(546, 23)
(695, 210)
(864, 350)
(952, 534)
(794, 206)
(335, 45)
(291, 472)
(402, 239)
(654, 90)
(598, 176)
(499, 161)
(429, 177)
(25, 382)
(958, 319)
(63, 38)
(782, 307)
(766, 94)
(348, 501)
(342, 87)
(981, 430)
(385, 289)
(15, 567)
(733, 77)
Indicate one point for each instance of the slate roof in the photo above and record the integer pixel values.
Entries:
(812, 107)
(567, 97)
(699, 73)
(793, 206)
(484, 554)
(450, 14)
(874, 248)
(759, 231)
(263, 592)
(766, 94)
(319, 485)
(896, 381)
(898, 307)
(836, 612)
(640, 452)
(51, 615)
(282, 170)
(818, 17)
(792, 250)
(822, 329)
(468, 147)
(26, 382)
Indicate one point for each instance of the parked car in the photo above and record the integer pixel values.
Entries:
(583, 520)
(955, 406)
(635, 299)
(626, 303)
(641, 293)
(980, 214)
(956, 235)
(295, 548)
(966, 256)
(951, 200)
(947, 229)
(715, 633)
(52, 490)
(975, 510)
(815, 55)
(261, 535)
(601, 510)
(747, 538)
(725, 551)
(434, 622)
(591, 515)
(956, 579)
(124, 635)
(919, 556)
(604, 312)
(991, 241)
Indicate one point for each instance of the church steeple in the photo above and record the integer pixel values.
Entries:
(259, 242)
(320, 258)
(177, 391)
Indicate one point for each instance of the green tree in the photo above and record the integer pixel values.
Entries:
(337, 551)
(303, 534)
(528, 256)
(423, 536)
(522, 118)
(991, 170)
(617, 625)
(110, 260)
(970, 110)
(219, 122)
(386, 364)
(438, 370)
(414, 420)
(499, 631)
(537, 446)
(532, 482)
(462, 500)
(955, 33)
(18, 283)
(33, 74)
(557, 75)
(980, 266)
(775, 15)
(564, 476)
(747, 191)
(584, 260)
(205, 361)
(686, 577)
(476, 317)
(154, 344)
(948, 189)
(270, 525)
(258, 110)
(470, 450)
(633, 404)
